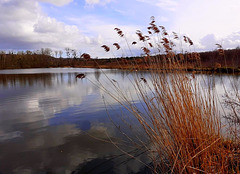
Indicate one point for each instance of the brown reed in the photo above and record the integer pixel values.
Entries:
(117, 46)
(106, 48)
(182, 119)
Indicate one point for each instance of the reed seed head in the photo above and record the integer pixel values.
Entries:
(117, 46)
(106, 48)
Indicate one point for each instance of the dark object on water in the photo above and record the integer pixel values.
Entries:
(143, 79)
(81, 76)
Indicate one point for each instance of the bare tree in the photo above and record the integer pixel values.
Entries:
(42, 51)
(10, 52)
(74, 53)
(2, 52)
(37, 52)
(67, 52)
(28, 52)
(20, 53)
(60, 53)
(46, 51)
(56, 53)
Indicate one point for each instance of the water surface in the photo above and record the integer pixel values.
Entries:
(52, 122)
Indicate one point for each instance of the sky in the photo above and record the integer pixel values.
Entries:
(86, 25)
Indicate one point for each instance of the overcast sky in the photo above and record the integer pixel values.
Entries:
(85, 25)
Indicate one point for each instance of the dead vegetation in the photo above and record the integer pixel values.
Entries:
(182, 120)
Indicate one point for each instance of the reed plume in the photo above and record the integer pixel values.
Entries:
(117, 46)
(106, 48)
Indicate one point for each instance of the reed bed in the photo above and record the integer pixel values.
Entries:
(182, 120)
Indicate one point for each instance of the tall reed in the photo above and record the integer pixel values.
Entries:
(182, 119)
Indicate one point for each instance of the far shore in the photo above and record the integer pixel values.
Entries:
(210, 62)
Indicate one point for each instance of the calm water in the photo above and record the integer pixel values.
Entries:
(52, 122)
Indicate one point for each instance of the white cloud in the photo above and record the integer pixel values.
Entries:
(25, 26)
(122, 12)
(90, 2)
(209, 41)
(164, 4)
(167, 4)
(48, 25)
(58, 2)
(56, 34)
(16, 24)
(231, 41)
(161, 19)
(100, 32)
(97, 2)
(202, 17)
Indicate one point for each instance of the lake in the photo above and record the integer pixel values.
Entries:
(52, 122)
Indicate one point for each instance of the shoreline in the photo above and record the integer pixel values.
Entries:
(224, 70)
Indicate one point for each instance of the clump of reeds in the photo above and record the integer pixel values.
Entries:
(182, 119)
(183, 125)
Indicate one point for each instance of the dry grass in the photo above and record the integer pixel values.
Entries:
(183, 126)
(182, 119)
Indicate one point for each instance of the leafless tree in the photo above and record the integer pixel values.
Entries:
(60, 53)
(28, 52)
(67, 52)
(56, 53)
(74, 53)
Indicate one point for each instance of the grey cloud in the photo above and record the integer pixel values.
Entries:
(16, 20)
(17, 43)
(232, 41)
(24, 26)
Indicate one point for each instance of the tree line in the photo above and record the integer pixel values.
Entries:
(70, 53)
(45, 58)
